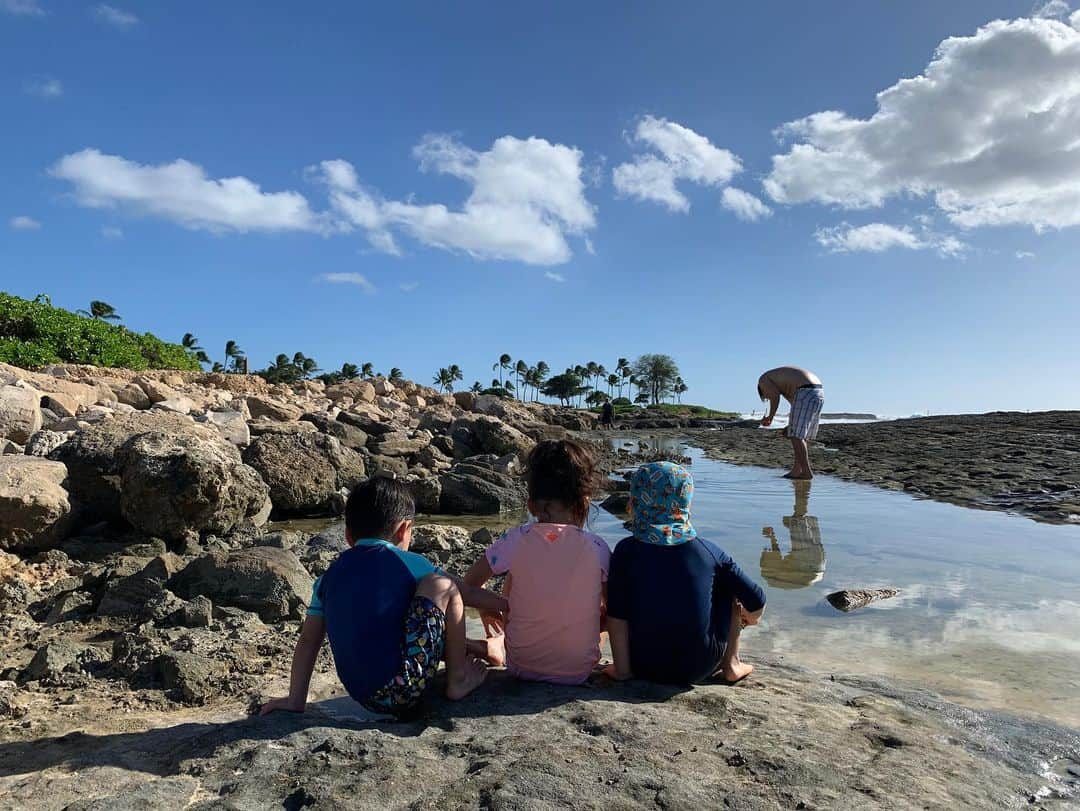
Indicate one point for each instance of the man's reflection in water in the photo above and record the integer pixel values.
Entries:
(805, 563)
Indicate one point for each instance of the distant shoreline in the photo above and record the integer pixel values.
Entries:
(1026, 463)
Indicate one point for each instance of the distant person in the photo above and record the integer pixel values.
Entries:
(607, 415)
(804, 565)
(801, 388)
(390, 614)
(555, 574)
(676, 602)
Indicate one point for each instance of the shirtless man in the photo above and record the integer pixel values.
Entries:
(801, 388)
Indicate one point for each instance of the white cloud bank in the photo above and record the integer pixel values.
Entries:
(357, 279)
(44, 87)
(180, 191)
(680, 154)
(116, 17)
(877, 237)
(24, 223)
(22, 8)
(527, 199)
(988, 132)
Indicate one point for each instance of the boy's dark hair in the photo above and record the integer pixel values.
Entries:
(562, 470)
(376, 506)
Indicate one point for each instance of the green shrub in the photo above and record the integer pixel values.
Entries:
(34, 333)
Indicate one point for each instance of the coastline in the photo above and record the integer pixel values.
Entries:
(1025, 463)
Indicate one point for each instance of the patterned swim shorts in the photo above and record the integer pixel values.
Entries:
(421, 652)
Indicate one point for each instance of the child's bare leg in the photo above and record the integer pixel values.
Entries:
(732, 669)
(802, 468)
(464, 673)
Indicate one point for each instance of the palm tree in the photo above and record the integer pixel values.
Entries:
(101, 311)
(309, 366)
(520, 369)
(444, 379)
(613, 380)
(233, 352)
(217, 367)
(367, 371)
(542, 372)
(601, 374)
(349, 371)
(680, 388)
(503, 365)
(190, 343)
(395, 375)
(455, 372)
(476, 387)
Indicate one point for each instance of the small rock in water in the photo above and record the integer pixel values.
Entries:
(850, 599)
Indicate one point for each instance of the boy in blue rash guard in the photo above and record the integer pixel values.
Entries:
(676, 602)
(390, 614)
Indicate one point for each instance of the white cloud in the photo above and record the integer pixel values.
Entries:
(987, 132)
(527, 197)
(1052, 10)
(116, 17)
(555, 277)
(678, 153)
(24, 223)
(349, 278)
(877, 237)
(408, 287)
(1021, 255)
(744, 205)
(181, 192)
(45, 87)
(22, 8)
(874, 238)
(112, 232)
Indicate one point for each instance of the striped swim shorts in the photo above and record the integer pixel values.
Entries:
(805, 412)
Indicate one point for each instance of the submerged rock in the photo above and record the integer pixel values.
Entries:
(850, 599)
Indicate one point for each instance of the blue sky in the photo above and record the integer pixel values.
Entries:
(579, 184)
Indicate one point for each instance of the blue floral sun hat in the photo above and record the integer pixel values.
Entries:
(661, 493)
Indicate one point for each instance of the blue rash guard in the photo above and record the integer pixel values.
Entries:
(364, 597)
(677, 603)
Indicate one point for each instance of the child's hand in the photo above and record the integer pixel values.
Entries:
(285, 703)
(494, 623)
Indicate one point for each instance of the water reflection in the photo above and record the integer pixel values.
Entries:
(804, 564)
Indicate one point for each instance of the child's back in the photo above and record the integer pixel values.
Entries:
(678, 602)
(556, 580)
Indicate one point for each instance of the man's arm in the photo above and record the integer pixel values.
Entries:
(312, 634)
(619, 636)
(774, 404)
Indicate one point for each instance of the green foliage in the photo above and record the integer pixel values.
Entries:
(497, 391)
(34, 333)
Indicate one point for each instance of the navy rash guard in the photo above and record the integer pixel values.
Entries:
(677, 603)
(363, 597)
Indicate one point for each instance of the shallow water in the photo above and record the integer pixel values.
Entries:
(989, 609)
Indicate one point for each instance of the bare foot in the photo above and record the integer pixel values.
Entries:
(473, 676)
(492, 650)
(735, 671)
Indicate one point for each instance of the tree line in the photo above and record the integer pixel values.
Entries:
(651, 378)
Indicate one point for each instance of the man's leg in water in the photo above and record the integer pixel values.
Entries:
(802, 469)
(732, 669)
(464, 672)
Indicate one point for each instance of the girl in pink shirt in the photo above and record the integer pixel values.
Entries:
(556, 574)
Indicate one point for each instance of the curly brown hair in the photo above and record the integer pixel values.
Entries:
(564, 471)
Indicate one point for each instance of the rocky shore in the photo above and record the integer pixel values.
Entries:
(1017, 462)
(149, 599)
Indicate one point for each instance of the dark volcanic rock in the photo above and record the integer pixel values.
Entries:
(365, 422)
(176, 484)
(305, 471)
(469, 489)
(348, 435)
(269, 581)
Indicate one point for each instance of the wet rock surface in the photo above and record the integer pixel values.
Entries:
(851, 599)
(1019, 462)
